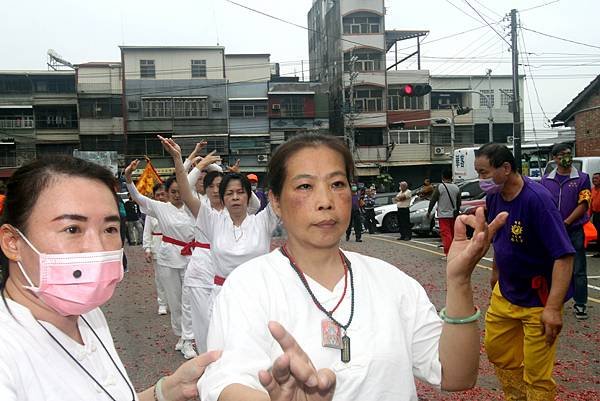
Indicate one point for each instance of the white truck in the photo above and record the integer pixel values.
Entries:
(463, 164)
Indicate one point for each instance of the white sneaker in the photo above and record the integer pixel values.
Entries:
(162, 309)
(179, 344)
(188, 350)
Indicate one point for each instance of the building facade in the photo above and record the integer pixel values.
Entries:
(406, 136)
(583, 113)
(38, 115)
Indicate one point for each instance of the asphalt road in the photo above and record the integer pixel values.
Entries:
(145, 342)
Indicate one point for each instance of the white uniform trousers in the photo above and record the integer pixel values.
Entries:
(200, 303)
(186, 314)
(161, 295)
(172, 280)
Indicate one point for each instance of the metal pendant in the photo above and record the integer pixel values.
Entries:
(345, 349)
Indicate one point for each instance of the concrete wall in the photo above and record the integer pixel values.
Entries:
(247, 68)
(99, 79)
(174, 63)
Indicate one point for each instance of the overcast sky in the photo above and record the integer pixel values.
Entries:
(83, 31)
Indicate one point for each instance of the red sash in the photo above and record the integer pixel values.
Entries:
(156, 233)
(540, 284)
(218, 280)
(186, 247)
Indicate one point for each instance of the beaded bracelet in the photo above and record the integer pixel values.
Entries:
(158, 395)
(463, 320)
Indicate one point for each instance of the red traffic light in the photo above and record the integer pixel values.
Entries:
(415, 89)
(408, 90)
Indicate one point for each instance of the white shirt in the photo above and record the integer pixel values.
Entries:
(230, 245)
(200, 270)
(177, 223)
(34, 368)
(405, 202)
(150, 240)
(394, 334)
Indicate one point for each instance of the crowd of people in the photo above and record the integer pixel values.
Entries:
(306, 320)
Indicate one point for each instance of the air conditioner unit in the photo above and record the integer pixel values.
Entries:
(262, 158)
(133, 105)
(276, 106)
(509, 140)
(438, 150)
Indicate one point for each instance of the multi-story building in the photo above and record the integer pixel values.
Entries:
(176, 91)
(247, 86)
(100, 93)
(348, 43)
(38, 115)
(296, 107)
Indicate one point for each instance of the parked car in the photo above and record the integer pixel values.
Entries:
(387, 219)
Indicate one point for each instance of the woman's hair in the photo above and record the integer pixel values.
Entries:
(169, 182)
(277, 170)
(157, 188)
(210, 177)
(233, 177)
(28, 182)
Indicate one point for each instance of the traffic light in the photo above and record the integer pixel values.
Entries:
(415, 89)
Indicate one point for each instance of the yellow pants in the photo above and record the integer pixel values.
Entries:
(516, 345)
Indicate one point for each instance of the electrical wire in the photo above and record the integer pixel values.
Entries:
(559, 38)
(538, 6)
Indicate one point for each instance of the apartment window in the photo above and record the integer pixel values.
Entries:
(147, 69)
(362, 23)
(483, 100)
(56, 117)
(368, 100)
(102, 143)
(157, 107)
(16, 121)
(506, 96)
(8, 154)
(144, 144)
(366, 61)
(190, 107)
(198, 68)
(292, 107)
(418, 137)
(246, 110)
(399, 102)
(444, 100)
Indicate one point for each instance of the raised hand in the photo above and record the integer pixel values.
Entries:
(199, 146)
(464, 254)
(171, 147)
(209, 159)
(236, 167)
(293, 377)
(130, 169)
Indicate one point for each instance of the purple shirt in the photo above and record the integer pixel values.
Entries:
(568, 192)
(533, 237)
(355, 205)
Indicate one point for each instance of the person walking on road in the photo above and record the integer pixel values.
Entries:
(595, 210)
(133, 222)
(369, 208)
(571, 191)
(355, 218)
(402, 200)
(447, 197)
(531, 273)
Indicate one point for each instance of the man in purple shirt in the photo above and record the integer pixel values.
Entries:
(355, 218)
(572, 194)
(531, 274)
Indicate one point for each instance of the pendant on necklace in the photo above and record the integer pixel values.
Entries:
(345, 348)
(331, 334)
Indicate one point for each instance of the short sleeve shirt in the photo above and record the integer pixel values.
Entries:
(533, 237)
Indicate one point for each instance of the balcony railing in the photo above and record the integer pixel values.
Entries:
(16, 123)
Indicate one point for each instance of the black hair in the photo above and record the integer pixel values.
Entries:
(277, 170)
(233, 177)
(210, 177)
(29, 181)
(169, 182)
(497, 154)
(559, 147)
(157, 187)
(447, 174)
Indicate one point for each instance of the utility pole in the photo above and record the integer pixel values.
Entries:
(452, 133)
(517, 97)
(490, 105)
(350, 122)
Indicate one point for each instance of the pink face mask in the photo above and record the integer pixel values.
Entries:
(76, 283)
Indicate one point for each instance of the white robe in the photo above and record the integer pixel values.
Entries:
(394, 334)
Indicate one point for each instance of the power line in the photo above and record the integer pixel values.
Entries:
(538, 6)
(559, 38)
(488, 24)
(489, 9)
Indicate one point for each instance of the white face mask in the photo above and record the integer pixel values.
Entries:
(75, 283)
(254, 187)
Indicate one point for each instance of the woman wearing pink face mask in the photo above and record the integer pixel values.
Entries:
(62, 259)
